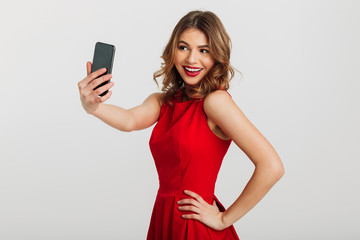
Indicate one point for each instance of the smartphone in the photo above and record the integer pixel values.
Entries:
(103, 58)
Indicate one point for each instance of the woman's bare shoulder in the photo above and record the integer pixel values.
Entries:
(217, 97)
(214, 105)
(155, 97)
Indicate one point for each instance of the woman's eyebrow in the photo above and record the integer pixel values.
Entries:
(201, 46)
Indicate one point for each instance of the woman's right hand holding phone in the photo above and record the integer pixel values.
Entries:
(90, 99)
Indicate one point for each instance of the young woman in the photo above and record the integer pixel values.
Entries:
(196, 122)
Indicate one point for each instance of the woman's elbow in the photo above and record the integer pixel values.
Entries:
(273, 170)
(278, 170)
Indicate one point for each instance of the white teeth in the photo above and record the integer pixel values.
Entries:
(192, 69)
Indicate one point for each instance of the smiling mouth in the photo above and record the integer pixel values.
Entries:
(192, 72)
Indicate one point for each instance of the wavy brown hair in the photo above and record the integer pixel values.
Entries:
(218, 76)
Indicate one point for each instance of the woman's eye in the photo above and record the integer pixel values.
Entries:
(204, 51)
(182, 47)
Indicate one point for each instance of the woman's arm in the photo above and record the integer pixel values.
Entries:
(223, 111)
(136, 118)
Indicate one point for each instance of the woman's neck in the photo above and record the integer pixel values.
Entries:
(185, 95)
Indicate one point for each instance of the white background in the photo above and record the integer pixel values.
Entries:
(64, 174)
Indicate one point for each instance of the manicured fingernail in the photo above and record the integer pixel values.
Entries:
(186, 191)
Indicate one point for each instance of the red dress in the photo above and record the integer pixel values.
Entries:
(187, 155)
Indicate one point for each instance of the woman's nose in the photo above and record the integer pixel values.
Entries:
(192, 57)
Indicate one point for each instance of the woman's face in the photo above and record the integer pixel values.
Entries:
(192, 57)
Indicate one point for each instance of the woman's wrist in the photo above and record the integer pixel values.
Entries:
(225, 219)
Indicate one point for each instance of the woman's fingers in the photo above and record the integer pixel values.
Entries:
(189, 208)
(90, 77)
(208, 214)
(192, 216)
(89, 88)
(195, 195)
(105, 97)
(99, 81)
(189, 201)
(91, 95)
(95, 74)
(102, 89)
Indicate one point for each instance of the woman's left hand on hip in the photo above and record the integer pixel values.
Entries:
(206, 213)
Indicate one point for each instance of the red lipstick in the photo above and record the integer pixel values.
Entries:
(192, 71)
